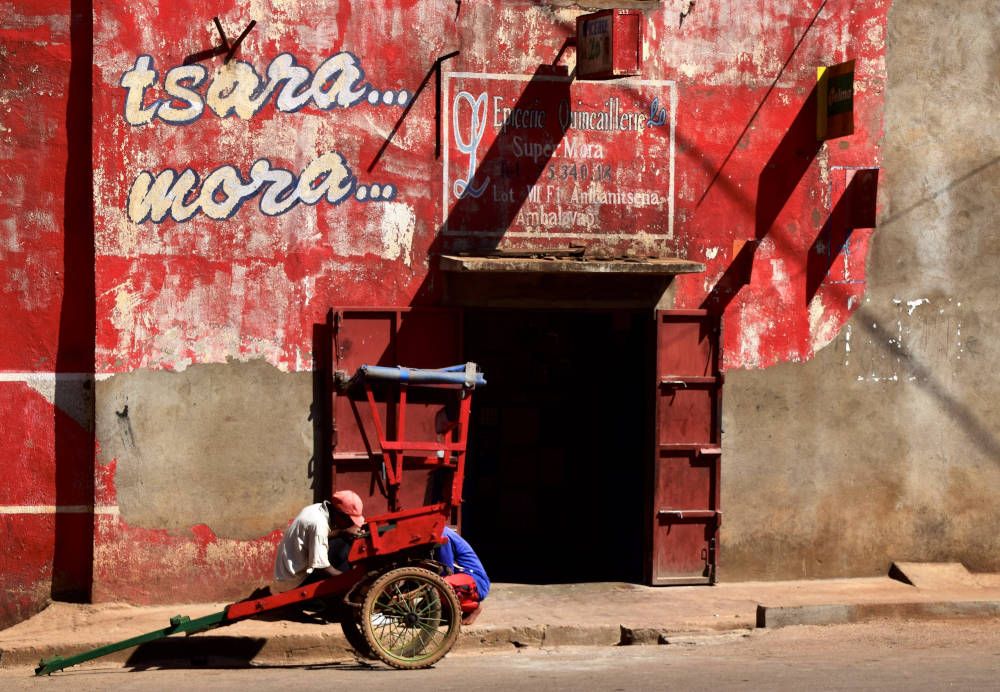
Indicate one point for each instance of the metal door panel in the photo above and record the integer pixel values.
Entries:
(685, 345)
(686, 413)
(684, 480)
(414, 337)
(685, 509)
(360, 337)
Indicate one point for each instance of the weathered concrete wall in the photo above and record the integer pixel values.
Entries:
(886, 445)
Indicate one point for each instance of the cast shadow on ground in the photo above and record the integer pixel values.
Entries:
(185, 653)
(223, 651)
(196, 652)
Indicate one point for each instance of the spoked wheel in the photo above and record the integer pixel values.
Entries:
(410, 618)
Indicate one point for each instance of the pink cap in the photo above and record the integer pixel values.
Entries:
(349, 502)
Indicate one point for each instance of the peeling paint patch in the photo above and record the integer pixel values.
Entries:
(823, 324)
(398, 224)
(847, 344)
(912, 305)
(779, 278)
(755, 321)
(9, 241)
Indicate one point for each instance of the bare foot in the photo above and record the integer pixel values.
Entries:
(471, 616)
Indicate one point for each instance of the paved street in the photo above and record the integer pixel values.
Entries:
(884, 656)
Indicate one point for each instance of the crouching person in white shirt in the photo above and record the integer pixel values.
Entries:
(316, 543)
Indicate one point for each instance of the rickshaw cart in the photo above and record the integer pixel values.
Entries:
(392, 604)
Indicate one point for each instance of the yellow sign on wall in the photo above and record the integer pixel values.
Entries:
(835, 101)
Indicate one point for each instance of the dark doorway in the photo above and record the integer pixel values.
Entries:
(557, 483)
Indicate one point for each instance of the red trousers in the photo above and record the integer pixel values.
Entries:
(465, 588)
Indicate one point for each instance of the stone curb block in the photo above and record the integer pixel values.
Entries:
(570, 635)
(330, 646)
(501, 637)
(834, 614)
(646, 636)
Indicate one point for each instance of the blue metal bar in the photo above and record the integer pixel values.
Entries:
(451, 375)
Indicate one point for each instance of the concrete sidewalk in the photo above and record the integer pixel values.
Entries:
(517, 615)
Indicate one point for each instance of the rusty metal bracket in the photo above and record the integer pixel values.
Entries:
(434, 71)
(224, 47)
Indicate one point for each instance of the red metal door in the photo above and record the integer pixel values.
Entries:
(414, 337)
(687, 455)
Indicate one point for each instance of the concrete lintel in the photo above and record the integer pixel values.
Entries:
(662, 266)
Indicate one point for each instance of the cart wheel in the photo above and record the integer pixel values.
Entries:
(410, 618)
(351, 626)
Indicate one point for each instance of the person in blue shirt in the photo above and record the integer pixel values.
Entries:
(464, 571)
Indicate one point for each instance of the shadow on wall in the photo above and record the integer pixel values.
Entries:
(474, 209)
(477, 222)
(321, 411)
(73, 550)
(856, 208)
(717, 177)
(777, 182)
(952, 407)
(477, 215)
(435, 72)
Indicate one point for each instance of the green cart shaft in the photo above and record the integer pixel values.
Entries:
(331, 586)
(178, 624)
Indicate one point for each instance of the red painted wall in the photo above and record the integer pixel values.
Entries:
(747, 166)
(47, 334)
(725, 160)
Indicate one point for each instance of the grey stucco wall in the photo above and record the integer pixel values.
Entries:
(225, 445)
(886, 445)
